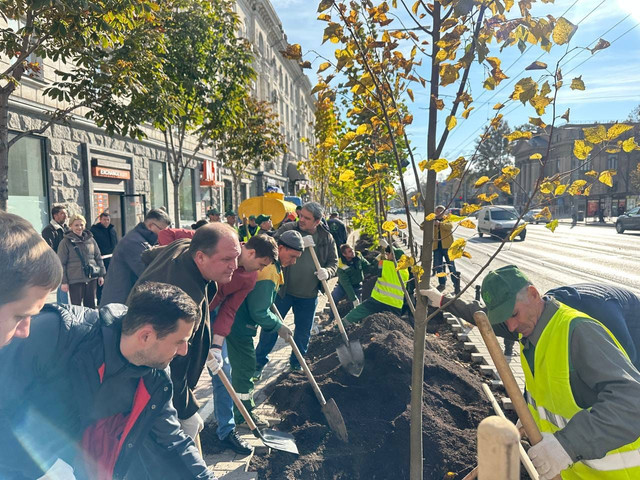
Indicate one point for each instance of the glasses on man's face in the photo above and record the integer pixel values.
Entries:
(160, 228)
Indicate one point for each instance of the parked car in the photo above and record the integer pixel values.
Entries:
(498, 221)
(629, 220)
(530, 216)
(453, 211)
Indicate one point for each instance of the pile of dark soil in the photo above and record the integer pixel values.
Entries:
(375, 407)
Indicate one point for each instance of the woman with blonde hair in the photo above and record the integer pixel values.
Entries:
(82, 265)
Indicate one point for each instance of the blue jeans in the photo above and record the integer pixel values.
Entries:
(440, 255)
(304, 310)
(338, 294)
(62, 297)
(222, 402)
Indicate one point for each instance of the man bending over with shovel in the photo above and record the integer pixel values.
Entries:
(256, 312)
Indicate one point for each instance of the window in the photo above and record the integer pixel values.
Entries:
(187, 199)
(261, 44)
(38, 73)
(157, 184)
(27, 183)
(612, 162)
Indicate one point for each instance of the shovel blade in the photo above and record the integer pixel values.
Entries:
(277, 440)
(335, 420)
(351, 357)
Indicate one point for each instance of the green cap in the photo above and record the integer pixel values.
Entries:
(499, 290)
(252, 217)
(230, 213)
(213, 211)
(262, 218)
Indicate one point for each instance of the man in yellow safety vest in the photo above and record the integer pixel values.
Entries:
(581, 387)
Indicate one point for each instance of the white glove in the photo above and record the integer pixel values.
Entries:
(384, 243)
(284, 331)
(356, 302)
(193, 425)
(59, 471)
(549, 457)
(433, 296)
(307, 241)
(322, 274)
(214, 360)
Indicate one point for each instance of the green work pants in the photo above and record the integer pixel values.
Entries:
(242, 357)
(369, 307)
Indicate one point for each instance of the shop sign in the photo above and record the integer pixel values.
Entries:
(106, 172)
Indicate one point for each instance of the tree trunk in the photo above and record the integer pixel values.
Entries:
(4, 151)
(176, 202)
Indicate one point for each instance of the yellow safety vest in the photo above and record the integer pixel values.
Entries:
(248, 235)
(387, 289)
(552, 405)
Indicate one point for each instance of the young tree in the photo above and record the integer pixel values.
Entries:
(493, 151)
(109, 52)
(254, 139)
(206, 74)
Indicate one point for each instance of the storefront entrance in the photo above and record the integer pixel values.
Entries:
(123, 209)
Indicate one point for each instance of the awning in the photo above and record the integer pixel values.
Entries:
(293, 173)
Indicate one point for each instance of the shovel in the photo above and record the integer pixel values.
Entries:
(271, 438)
(329, 407)
(509, 381)
(350, 354)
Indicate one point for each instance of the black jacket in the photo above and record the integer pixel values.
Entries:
(53, 234)
(126, 264)
(105, 237)
(68, 377)
(338, 230)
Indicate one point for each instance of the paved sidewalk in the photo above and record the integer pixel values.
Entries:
(228, 465)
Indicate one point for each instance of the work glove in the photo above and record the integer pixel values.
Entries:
(307, 241)
(322, 274)
(214, 360)
(355, 302)
(59, 471)
(433, 296)
(284, 331)
(384, 243)
(549, 457)
(193, 425)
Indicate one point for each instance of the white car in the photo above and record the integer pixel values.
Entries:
(498, 221)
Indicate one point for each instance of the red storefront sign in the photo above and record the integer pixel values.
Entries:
(106, 172)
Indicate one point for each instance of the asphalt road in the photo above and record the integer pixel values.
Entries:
(567, 256)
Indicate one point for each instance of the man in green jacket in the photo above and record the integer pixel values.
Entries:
(351, 266)
(256, 312)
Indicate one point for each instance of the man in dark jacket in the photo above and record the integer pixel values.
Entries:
(53, 234)
(126, 264)
(351, 266)
(30, 270)
(301, 283)
(90, 389)
(105, 236)
(195, 266)
(338, 229)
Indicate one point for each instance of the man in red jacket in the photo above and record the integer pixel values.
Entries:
(259, 252)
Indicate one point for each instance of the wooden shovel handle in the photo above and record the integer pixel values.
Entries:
(243, 410)
(327, 291)
(509, 381)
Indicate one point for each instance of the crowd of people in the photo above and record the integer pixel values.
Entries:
(110, 393)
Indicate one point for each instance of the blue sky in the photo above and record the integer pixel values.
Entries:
(611, 76)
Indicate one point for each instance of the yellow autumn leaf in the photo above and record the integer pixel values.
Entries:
(552, 225)
(546, 187)
(466, 254)
(347, 176)
(606, 177)
(442, 274)
(483, 197)
(422, 165)
(346, 139)
(545, 212)
(456, 248)
(466, 113)
(581, 149)
(388, 226)
(430, 217)
(437, 165)
(616, 130)
(517, 135)
(560, 189)
(378, 166)
(468, 224)
(577, 83)
(595, 135)
(367, 182)
(517, 231)
(587, 191)
(323, 66)
(511, 171)
(401, 224)
(576, 187)
(502, 184)
(405, 262)
(451, 122)
(498, 106)
(418, 271)
(481, 181)
(451, 218)
(415, 198)
(536, 156)
(629, 144)
(390, 190)
(591, 173)
(468, 209)
(563, 31)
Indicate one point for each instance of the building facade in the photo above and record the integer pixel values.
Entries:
(79, 165)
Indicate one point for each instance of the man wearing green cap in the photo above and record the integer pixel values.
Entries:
(214, 215)
(266, 227)
(581, 386)
(230, 215)
(249, 230)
